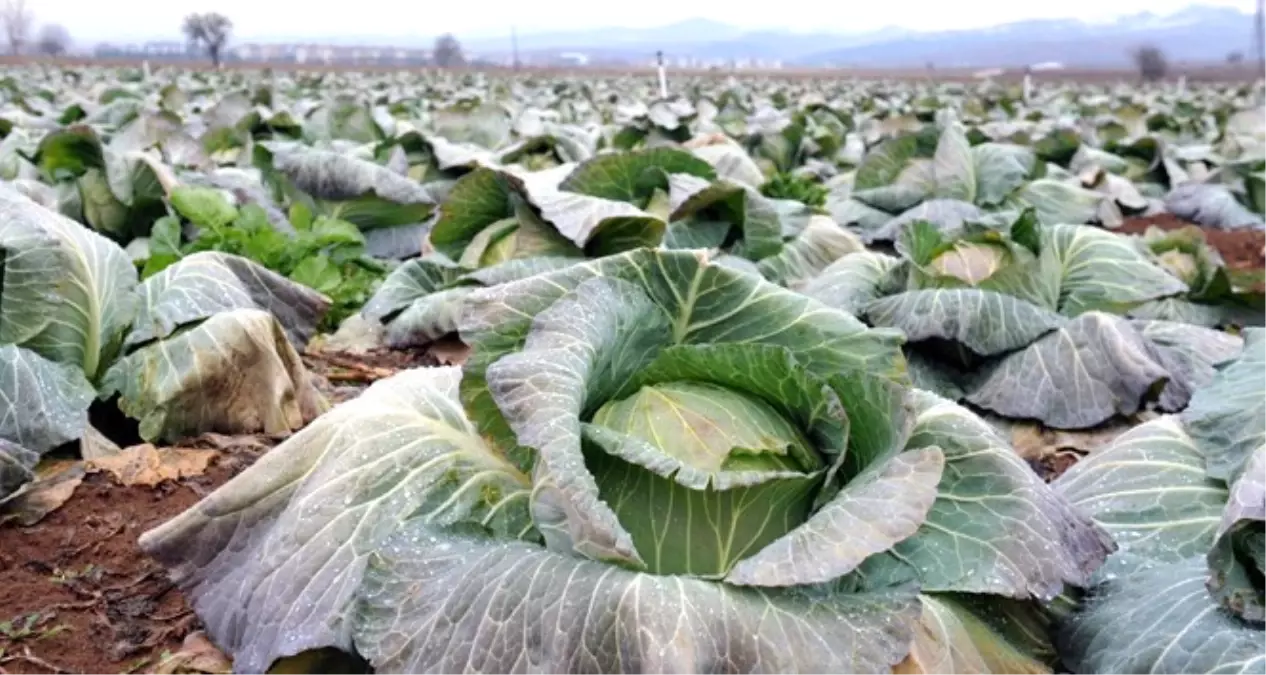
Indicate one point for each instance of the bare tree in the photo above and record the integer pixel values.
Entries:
(17, 24)
(53, 40)
(211, 31)
(448, 51)
(1151, 62)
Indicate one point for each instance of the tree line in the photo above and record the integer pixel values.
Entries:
(211, 32)
(18, 22)
(208, 31)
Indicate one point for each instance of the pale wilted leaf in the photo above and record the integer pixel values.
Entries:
(54, 484)
(147, 465)
(196, 655)
(234, 373)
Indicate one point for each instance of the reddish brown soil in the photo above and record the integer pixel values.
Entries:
(385, 360)
(343, 375)
(1241, 249)
(80, 594)
(77, 592)
(1053, 466)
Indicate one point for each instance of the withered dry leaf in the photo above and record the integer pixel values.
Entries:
(1032, 441)
(196, 655)
(55, 482)
(147, 465)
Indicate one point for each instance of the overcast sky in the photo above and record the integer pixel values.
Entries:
(91, 21)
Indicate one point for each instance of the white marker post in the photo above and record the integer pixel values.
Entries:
(1028, 85)
(663, 79)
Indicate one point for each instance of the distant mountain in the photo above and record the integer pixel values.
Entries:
(1196, 34)
(682, 33)
(692, 38)
(622, 40)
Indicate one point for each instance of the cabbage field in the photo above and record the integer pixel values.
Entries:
(471, 372)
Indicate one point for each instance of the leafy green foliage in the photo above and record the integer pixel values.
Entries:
(32, 626)
(648, 429)
(791, 186)
(324, 254)
(694, 325)
(161, 344)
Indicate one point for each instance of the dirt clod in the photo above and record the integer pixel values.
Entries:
(344, 375)
(1240, 249)
(78, 595)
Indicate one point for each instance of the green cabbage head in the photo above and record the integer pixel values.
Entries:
(651, 463)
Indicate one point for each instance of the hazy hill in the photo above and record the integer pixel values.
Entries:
(1196, 34)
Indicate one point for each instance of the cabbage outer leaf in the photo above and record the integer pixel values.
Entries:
(1160, 620)
(68, 292)
(985, 322)
(1227, 418)
(272, 561)
(1148, 489)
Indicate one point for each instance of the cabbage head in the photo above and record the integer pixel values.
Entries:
(1025, 320)
(651, 463)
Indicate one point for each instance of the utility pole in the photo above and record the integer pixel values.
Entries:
(514, 46)
(663, 79)
(1259, 35)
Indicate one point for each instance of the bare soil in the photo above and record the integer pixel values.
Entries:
(344, 375)
(76, 592)
(1053, 466)
(78, 595)
(1241, 249)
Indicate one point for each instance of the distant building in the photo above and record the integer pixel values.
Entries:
(273, 54)
(331, 55)
(168, 50)
(695, 63)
